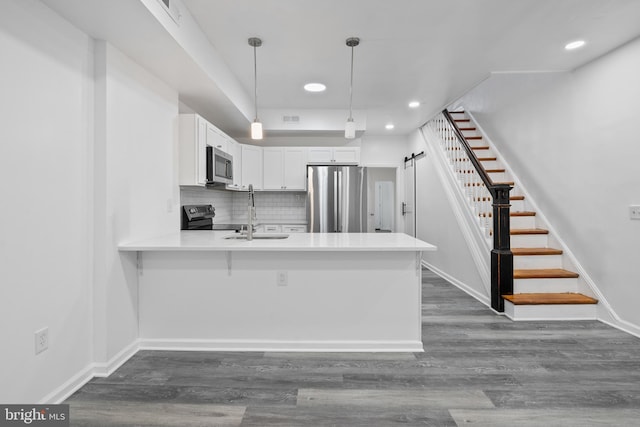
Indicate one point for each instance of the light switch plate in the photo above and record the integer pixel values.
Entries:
(634, 211)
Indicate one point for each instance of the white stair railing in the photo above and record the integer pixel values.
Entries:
(469, 180)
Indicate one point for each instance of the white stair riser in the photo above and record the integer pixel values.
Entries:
(537, 261)
(522, 221)
(535, 286)
(477, 142)
(490, 164)
(517, 205)
(468, 133)
(529, 241)
(551, 311)
(498, 177)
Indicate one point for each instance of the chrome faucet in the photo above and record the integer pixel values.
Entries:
(251, 214)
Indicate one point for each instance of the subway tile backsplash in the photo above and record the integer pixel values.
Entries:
(231, 206)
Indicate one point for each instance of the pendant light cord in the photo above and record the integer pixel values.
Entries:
(255, 82)
(351, 89)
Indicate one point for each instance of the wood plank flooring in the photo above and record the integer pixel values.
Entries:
(478, 369)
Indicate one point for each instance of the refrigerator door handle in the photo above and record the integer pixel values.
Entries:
(335, 201)
(340, 189)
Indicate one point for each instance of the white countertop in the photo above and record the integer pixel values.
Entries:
(215, 241)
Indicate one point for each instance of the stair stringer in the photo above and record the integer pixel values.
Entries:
(586, 285)
(467, 221)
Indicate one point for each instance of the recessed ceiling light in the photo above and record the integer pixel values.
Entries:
(574, 45)
(315, 87)
(389, 126)
(414, 104)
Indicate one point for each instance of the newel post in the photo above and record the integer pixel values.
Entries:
(501, 256)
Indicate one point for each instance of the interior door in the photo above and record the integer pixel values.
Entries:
(409, 204)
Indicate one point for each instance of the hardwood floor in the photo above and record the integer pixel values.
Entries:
(477, 369)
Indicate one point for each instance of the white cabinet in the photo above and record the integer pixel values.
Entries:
(294, 228)
(216, 138)
(192, 150)
(234, 149)
(251, 167)
(285, 168)
(320, 155)
(337, 155)
(273, 159)
(272, 228)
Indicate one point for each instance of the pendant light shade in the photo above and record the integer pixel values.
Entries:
(256, 130)
(256, 126)
(350, 127)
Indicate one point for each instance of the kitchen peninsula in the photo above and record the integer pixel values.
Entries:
(306, 292)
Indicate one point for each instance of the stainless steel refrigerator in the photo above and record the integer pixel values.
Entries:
(337, 199)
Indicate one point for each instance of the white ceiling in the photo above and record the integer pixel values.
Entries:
(426, 50)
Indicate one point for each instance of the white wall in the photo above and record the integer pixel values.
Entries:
(136, 191)
(572, 139)
(437, 224)
(87, 159)
(46, 138)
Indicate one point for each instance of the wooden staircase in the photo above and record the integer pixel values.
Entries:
(543, 288)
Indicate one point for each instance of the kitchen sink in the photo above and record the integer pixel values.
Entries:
(259, 236)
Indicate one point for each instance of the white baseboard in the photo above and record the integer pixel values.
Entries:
(620, 324)
(288, 346)
(105, 369)
(63, 392)
(472, 292)
(74, 383)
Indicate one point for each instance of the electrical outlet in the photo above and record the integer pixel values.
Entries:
(42, 340)
(282, 278)
(634, 211)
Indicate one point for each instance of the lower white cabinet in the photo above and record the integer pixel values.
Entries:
(284, 228)
(272, 228)
(294, 228)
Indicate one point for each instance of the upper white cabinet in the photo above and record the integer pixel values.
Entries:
(337, 155)
(251, 167)
(235, 150)
(285, 168)
(193, 150)
(217, 139)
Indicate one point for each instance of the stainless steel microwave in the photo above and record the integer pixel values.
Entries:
(219, 167)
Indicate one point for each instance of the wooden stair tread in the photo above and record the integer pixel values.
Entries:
(495, 170)
(521, 231)
(544, 273)
(535, 251)
(473, 137)
(489, 198)
(511, 213)
(549, 298)
(480, 148)
(522, 213)
(469, 129)
(462, 120)
(487, 159)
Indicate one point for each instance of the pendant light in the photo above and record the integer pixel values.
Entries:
(350, 127)
(256, 126)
